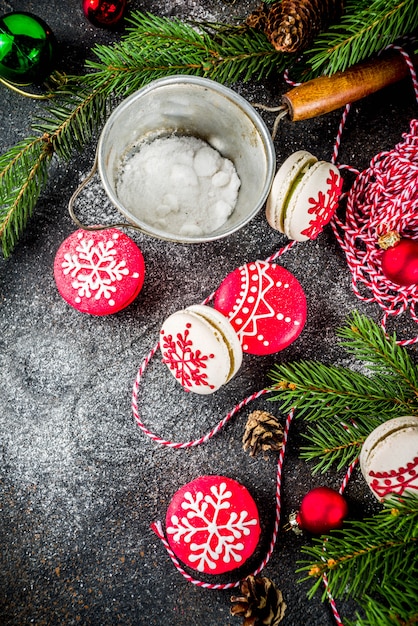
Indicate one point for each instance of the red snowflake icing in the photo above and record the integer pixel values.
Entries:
(395, 481)
(323, 208)
(185, 362)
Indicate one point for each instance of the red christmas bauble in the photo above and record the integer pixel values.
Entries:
(104, 12)
(400, 262)
(322, 510)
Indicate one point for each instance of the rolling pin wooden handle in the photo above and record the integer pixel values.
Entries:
(327, 93)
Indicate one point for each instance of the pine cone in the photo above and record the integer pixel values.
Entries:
(261, 603)
(291, 25)
(258, 18)
(263, 432)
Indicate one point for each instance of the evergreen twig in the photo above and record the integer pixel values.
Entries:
(155, 47)
(24, 168)
(335, 442)
(345, 405)
(366, 341)
(23, 174)
(72, 117)
(402, 611)
(373, 561)
(365, 28)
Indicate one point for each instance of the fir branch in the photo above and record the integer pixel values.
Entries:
(354, 561)
(344, 404)
(155, 47)
(243, 54)
(335, 443)
(320, 392)
(365, 28)
(373, 558)
(72, 118)
(382, 353)
(23, 175)
(402, 611)
(68, 123)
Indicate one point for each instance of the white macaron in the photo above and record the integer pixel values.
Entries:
(304, 196)
(201, 348)
(389, 457)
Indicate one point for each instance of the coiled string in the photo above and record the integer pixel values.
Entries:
(383, 197)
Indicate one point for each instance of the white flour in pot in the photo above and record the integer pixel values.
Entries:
(179, 184)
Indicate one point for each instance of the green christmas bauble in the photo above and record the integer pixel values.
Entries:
(27, 48)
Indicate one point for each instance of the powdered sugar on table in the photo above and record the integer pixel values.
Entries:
(180, 185)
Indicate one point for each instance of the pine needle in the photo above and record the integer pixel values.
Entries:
(23, 175)
(382, 353)
(155, 47)
(72, 119)
(335, 443)
(320, 391)
(372, 560)
(365, 28)
(67, 125)
(346, 405)
(402, 611)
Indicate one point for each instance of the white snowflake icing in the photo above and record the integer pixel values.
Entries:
(221, 540)
(94, 269)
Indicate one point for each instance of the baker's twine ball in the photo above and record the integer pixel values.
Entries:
(383, 198)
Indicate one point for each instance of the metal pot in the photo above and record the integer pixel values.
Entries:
(201, 108)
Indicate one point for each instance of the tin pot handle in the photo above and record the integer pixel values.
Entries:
(76, 194)
(327, 93)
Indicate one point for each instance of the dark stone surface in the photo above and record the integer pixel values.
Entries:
(80, 484)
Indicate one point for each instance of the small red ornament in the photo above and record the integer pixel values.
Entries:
(104, 12)
(399, 259)
(321, 510)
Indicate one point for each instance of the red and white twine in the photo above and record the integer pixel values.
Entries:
(157, 526)
(383, 197)
(193, 442)
(158, 529)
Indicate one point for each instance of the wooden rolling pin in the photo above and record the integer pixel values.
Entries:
(327, 93)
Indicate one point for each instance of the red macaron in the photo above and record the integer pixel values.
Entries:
(212, 524)
(265, 304)
(99, 271)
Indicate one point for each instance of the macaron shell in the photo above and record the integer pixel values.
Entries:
(389, 457)
(212, 524)
(195, 352)
(313, 202)
(222, 325)
(265, 304)
(99, 272)
(284, 179)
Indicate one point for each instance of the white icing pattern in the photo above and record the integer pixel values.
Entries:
(252, 303)
(94, 269)
(221, 540)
